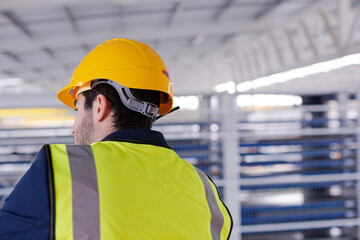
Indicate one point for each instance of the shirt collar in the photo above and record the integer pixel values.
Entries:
(138, 135)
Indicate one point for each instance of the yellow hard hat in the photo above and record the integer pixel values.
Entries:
(128, 62)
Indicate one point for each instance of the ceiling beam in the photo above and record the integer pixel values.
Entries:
(75, 27)
(174, 13)
(146, 33)
(71, 19)
(265, 55)
(267, 9)
(344, 21)
(85, 47)
(330, 29)
(12, 56)
(10, 17)
(8, 73)
(223, 8)
(285, 30)
(278, 50)
(309, 38)
(34, 4)
(227, 38)
(354, 26)
(51, 54)
(35, 69)
(292, 45)
(304, 10)
(256, 59)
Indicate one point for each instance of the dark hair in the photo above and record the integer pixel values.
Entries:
(124, 118)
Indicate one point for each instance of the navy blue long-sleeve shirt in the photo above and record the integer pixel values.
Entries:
(26, 213)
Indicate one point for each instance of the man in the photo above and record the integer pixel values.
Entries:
(120, 180)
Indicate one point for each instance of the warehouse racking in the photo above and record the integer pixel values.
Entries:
(286, 172)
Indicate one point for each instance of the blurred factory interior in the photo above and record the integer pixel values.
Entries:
(269, 92)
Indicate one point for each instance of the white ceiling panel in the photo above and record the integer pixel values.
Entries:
(94, 9)
(44, 29)
(10, 33)
(38, 15)
(70, 54)
(148, 8)
(35, 58)
(204, 43)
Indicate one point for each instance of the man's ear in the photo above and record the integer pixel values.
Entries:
(101, 108)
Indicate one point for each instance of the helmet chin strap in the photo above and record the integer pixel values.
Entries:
(130, 101)
(172, 110)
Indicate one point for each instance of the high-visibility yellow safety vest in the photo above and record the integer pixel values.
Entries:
(122, 190)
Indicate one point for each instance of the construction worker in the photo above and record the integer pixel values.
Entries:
(120, 180)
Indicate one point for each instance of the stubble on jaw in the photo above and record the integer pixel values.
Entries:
(84, 135)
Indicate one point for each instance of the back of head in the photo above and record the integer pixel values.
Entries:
(138, 83)
(123, 117)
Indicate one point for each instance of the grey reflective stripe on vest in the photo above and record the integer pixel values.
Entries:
(85, 194)
(217, 219)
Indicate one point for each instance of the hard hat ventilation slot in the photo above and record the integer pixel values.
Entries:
(124, 93)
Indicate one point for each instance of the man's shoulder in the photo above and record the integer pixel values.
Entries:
(40, 157)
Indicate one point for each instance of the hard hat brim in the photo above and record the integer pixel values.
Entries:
(67, 95)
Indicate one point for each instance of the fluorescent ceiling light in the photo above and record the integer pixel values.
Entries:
(321, 67)
(5, 82)
(229, 87)
(187, 102)
(267, 100)
(198, 40)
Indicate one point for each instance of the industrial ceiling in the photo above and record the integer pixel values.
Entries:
(204, 43)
